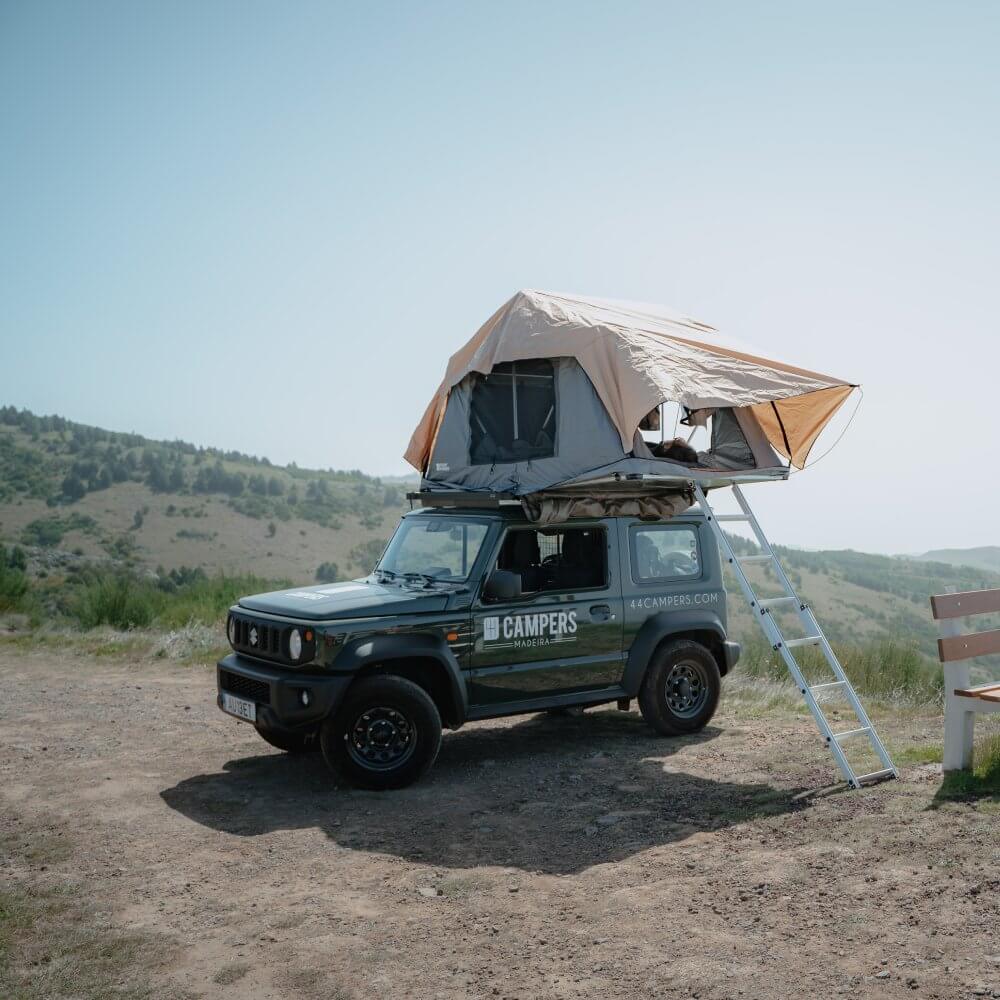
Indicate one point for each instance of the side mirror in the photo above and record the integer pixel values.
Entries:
(502, 585)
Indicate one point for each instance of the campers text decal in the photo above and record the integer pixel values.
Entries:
(530, 630)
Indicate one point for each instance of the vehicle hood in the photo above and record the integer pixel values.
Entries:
(355, 599)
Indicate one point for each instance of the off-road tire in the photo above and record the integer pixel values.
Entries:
(384, 707)
(681, 687)
(294, 743)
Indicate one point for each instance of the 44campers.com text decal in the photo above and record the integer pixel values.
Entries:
(530, 630)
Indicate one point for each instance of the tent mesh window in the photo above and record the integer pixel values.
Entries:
(512, 413)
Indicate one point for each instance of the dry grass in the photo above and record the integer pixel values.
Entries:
(53, 943)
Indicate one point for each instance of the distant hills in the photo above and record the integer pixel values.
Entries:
(984, 557)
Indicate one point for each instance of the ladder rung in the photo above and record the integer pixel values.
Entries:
(772, 602)
(886, 772)
(827, 684)
(808, 640)
(743, 559)
(851, 732)
(732, 517)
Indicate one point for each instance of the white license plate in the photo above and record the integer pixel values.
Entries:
(239, 707)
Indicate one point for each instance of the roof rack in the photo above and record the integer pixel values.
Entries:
(462, 498)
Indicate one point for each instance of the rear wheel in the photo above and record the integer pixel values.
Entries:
(680, 691)
(386, 733)
(283, 739)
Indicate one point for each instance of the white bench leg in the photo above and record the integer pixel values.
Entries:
(959, 722)
(959, 729)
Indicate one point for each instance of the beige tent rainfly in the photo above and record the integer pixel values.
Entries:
(547, 399)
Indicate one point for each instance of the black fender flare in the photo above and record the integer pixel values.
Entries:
(360, 652)
(662, 626)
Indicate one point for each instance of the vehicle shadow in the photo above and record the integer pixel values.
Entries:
(554, 795)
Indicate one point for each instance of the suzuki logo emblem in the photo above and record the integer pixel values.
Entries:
(253, 637)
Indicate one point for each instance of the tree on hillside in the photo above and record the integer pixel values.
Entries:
(176, 479)
(73, 488)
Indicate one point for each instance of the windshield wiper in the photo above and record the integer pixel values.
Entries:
(422, 576)
(387, 573)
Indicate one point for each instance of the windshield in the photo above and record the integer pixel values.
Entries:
(435, 548)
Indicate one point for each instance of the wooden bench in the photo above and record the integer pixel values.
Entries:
(962, 701)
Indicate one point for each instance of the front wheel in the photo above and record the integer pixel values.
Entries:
(386, 734)
(680, 691)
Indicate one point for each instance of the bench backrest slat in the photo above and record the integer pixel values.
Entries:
(972, 602)
(964, 647)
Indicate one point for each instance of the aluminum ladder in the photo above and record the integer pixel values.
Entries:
(761, 610)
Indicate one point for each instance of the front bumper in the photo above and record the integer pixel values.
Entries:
(731, 654)
(277, 693)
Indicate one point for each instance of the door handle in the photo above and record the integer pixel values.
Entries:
(601, 612)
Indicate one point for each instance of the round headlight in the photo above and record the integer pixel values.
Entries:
(231, 630)
(295, 643)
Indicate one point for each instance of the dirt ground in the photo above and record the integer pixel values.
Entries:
(542, 857)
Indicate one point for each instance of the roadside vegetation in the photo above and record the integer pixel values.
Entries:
(88, 597)
(890, 671)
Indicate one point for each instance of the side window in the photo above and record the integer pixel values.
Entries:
(512, 413)
(556, 559)
(664, 552)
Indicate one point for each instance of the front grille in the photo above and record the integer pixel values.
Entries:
(259, 638)
(245, 687)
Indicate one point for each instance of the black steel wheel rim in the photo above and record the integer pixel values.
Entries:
(381, 739)
(686, 689)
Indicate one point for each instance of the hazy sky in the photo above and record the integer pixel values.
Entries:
(266, 226)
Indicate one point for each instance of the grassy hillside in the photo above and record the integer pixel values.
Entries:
(69, 491)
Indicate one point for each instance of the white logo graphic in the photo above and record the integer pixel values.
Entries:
(531, 630)
(253, 637)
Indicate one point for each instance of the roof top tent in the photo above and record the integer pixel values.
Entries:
(546, 402)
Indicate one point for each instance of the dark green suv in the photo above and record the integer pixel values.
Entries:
(478, 613)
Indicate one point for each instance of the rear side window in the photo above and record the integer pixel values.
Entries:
(512, 413)
(664, 552)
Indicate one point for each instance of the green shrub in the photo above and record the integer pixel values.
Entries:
(14, 586)
(119, 601)
(328, 572)
(48, 532)
(207, 599)
(887, 670)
